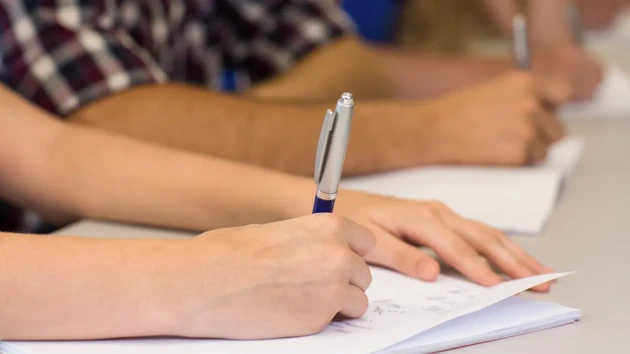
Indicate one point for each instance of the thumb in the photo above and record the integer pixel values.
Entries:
(395, 254)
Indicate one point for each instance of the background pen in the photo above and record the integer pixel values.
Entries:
(522, 56)
(331, 153)
(575, 21)
(522, 49)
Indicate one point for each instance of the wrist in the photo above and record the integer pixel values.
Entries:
(174, 298)
(153, 286)
(389, 136)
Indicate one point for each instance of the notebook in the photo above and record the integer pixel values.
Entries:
(403, 314)
(611, 98)
(516, 199)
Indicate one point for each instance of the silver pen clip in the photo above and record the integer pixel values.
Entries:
(324, 144)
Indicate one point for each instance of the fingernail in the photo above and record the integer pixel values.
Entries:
(428, 271)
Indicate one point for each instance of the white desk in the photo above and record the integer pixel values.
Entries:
(589, 232)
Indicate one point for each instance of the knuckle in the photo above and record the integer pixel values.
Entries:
(332, 223)
(429, 210)
(437, 205)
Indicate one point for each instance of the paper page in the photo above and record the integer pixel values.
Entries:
(564, 156)
(400, 307)
(512, 316)
(512, 199)
(518, 201)
(612, 98)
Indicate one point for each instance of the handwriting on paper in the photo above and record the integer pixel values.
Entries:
(380, 314)
(448, 300)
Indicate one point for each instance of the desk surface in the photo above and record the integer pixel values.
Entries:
(587, 233)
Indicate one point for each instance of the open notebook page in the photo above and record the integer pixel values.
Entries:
(400, 308)
(612, 98)
(513, 316)
(519, 199)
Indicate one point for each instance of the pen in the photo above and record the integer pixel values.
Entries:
(331, 153)
(575, 20)
(521, 42)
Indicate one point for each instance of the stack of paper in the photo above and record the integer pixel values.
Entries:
(512, 199)
(508, 318)
(401, 314)
(612, 98)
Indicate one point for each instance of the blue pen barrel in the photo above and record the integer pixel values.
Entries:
(323, 206)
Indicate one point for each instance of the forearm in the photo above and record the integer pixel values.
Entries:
(274, 135)
(424, 75)
(550, 26)
(372, 72)
(79, 288)
(502, 12)
(99, 175)
(65, 171)
(548, 19)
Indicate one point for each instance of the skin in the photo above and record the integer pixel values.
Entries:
(555, 51)
(599, 14)
(414, 133)
(300, 272)
(65, 172)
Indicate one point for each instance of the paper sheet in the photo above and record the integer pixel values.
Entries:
(512, 199)
(612, 99)
(400, 307)
(512, 316)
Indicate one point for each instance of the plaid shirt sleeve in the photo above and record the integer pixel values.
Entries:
(63, 56)
(270, 37)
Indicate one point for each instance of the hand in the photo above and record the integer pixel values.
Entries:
(599, 14)
(502, 122)
(276, 280)
(400, 226)
(571, 64)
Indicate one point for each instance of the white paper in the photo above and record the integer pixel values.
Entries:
(400, 308)
(612, 98)
(512, 316)
(512, 199)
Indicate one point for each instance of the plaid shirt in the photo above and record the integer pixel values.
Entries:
(63, 54)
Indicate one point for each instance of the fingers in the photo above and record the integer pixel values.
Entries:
(549, 126)
(536, 153)
(360, 239)
(454, 250)
(523, 256)
(355, 304)
(360, 274)
(587, 78)
(498, 249)
(461, 256)
(547, 129)
(404, 258)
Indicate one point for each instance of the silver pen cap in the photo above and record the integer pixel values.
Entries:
(333, 144)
